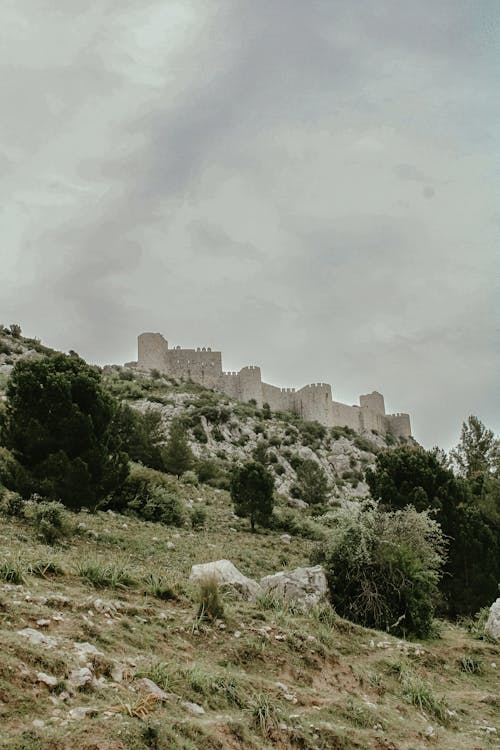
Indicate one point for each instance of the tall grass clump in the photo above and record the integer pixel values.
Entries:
(101, 575)
(210, 605)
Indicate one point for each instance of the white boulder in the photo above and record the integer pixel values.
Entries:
(492, 626)
(306, 586)
(226, 575)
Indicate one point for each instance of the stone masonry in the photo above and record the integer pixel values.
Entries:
(312, 402)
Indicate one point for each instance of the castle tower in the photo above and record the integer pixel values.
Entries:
(152, 351)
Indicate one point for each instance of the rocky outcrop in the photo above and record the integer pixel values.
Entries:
(226, 575)
(492, 626)
(306, 586)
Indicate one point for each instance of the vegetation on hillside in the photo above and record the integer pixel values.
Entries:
(170, 473)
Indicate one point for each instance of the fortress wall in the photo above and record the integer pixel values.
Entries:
(279, 399)
(346, 416)
(398, 424)
(200, 366)
(370, 420)
(314, 402)
(373, 401)
(251, 384)
(229, 383)
(152, 351)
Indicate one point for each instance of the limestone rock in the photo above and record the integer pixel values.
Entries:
(80, 712)
(47, 679)
(307, 586)
(37, 638)
(226, 574)
(492, 626)
(193, 708)
(151, 688)
(81, 677)
(285, 538)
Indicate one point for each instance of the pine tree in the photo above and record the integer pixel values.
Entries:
(251, 489)
(177, 455)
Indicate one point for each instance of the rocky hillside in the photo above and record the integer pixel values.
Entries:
(104, 642)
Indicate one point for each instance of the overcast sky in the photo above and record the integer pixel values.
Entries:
(307, 185)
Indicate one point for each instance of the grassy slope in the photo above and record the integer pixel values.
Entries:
(346, 687)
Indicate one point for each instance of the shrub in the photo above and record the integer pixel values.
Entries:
(50, 521)
(199, 434)
(198, 517)
(312, 483)
(15, 330)
(312, 433)
(251, 488)
(189, 477)
(383, 568)
(161, 506)
(13, 505)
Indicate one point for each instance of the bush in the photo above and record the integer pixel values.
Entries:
(198, 517)
(312, 433)
(164, 507)
(150, 495)
(312, 483)
(13, 504)
(49, 518)
(383, 568)
(189, 477)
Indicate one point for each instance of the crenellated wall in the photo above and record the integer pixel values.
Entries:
(312, 402)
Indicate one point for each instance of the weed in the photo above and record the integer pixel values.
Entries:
(12, 571)
(45, 569)
(470, 664)
(160, 587)
(265, 714)
(113, 575)
(419, 693)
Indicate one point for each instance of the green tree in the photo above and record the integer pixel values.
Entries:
(411, 476)
(177, 455)
(312, 483)
(251, 490)
(477, 452)
(140, 434)
(58, 425)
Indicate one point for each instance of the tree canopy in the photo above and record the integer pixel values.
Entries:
(58, 425)
(251, 489)
(412, 476)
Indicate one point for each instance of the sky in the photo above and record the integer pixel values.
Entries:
(310, 186)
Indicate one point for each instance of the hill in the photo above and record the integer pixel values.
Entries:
(103, 647)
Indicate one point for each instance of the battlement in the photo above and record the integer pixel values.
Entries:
(313, 401)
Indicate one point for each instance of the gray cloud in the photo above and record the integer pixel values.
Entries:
(307, 186)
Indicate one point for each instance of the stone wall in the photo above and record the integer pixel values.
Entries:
(312, 402)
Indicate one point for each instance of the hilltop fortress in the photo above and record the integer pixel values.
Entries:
(312, 402)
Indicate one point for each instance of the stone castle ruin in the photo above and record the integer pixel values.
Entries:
(312, 402)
